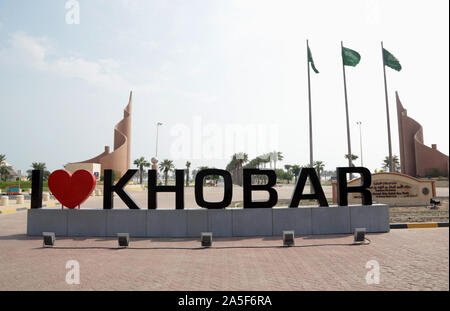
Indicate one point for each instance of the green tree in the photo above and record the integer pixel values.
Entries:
(214, 178)
(236, 165)
(166, 166)
(4, 172)
(141, 163)
(354, 157)
(319, 166)
(242, 158)
(295, 170)
(279, 173)
(276, 156)
(395, 160)
(38, 166)
(201, 168)
(288, 169)
(188, 165)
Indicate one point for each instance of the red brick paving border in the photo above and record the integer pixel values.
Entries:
(412, 259)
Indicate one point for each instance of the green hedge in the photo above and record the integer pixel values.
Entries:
(23, 185)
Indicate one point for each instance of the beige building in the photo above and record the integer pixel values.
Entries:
(119, 159)
(94, 168)
(416, 159)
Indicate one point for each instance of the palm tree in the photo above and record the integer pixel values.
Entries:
(265, 158)
(396, 162)
(295, 169)
(4, 172)
(319, 166)
(201, 168)
(38, 166)
(276, 156)
(166, 166)
(354, 157)
(188, 165)
(242, 158)
(288, 169)
(141, 163)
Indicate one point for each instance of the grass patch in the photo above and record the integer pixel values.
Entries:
(25, 185)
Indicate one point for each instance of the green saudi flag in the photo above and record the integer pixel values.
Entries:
(310, 59)
(391, 61)
(350, 57)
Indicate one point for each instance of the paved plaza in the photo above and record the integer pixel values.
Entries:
(409, 259)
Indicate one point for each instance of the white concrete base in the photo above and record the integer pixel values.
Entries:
(4, 201)
(228, 222)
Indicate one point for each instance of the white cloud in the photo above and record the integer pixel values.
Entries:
(38, 53)
(35, 52)
(29, 50)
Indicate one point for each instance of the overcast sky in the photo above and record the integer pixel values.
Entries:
(202, 67)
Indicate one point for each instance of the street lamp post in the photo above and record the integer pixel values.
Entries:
(360, 140)
(157, 127)
(154, 160)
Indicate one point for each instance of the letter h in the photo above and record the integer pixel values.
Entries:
(153, 189)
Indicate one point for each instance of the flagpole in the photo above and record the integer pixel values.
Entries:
(311, 161)
(346, 113)
(391, 166)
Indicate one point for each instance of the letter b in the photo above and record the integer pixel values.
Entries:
(249, 188)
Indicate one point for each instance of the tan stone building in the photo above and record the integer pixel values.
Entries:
(416, 159)
(118, 160)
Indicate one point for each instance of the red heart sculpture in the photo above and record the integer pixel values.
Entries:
(71, 190)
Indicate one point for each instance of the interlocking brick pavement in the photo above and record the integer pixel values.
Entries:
(410, 259)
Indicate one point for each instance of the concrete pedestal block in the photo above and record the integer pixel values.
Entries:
(331, 220)
(166, 223)
(296, 219)
(20, 199)
(47, 220)
(4, 201)
(86, 222)
(220, 222)
(374, 218)
(197, 221)
(133, 222)
(252, 222)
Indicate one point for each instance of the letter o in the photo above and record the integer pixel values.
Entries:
(228, 189)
